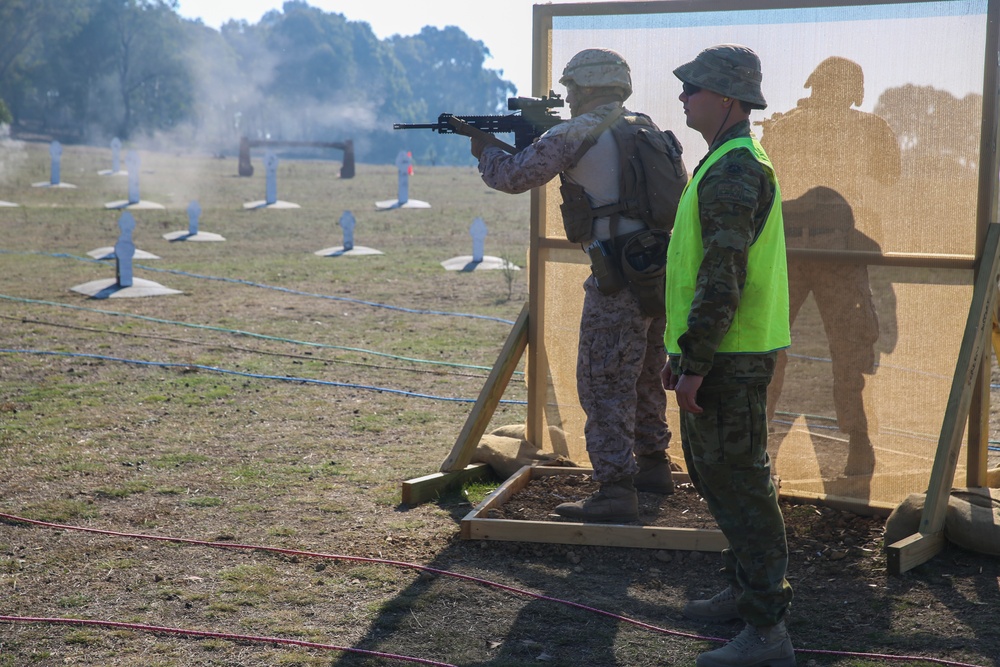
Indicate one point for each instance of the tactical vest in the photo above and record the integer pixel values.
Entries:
(651, 177)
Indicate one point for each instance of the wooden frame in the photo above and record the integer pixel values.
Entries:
(476, 525)
(968, 403)
(968, 380)
(456, 469)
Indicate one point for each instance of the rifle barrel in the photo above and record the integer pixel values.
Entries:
(416, 126)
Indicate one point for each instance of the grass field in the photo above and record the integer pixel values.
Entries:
(260, 425)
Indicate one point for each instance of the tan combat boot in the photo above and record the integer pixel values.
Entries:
(615, 502)
(719, 609)
(655, 475)
(756, 646)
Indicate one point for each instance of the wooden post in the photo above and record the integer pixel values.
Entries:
(489, 397)
(923, 545)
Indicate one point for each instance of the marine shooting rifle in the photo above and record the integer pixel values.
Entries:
(535, 117)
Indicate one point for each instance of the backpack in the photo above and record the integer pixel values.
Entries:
(652, 177)
(652, 173)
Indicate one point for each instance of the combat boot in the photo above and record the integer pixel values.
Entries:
(721, 608)
(755, 646)
(655, 475)
(614, 501)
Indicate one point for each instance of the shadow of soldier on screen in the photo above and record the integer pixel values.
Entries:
(832, 161)
(821, 218)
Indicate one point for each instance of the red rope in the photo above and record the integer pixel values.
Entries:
(464, 577)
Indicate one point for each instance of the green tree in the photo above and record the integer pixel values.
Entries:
(446, 73)
(149, 75)
(97, 68)
(28, 28)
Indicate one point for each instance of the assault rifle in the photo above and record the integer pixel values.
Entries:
(535, 117)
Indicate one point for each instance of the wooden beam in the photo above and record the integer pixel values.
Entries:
(912, 551)
(920, 547)
(489, 397)
(977, 450)
(423, 489)
(478, 526)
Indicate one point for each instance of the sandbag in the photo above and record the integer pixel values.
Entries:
(506, 451)
(905, 518)
(972, 519)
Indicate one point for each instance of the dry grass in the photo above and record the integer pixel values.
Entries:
(296, 448)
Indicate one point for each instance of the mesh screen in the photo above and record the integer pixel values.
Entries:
(873, 123)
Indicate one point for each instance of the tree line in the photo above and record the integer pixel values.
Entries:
(90, 70)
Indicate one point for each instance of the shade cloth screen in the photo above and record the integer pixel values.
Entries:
(873, 122)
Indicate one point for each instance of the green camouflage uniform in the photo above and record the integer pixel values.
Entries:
(725, 447)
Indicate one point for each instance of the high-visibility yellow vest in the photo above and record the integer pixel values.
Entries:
(761, 320)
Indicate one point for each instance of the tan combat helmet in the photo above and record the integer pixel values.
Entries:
(727, 69)
(598, 68)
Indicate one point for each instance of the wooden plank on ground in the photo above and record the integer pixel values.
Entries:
(489, 397)
(423, 489)
(477, 526)
(921, 546)
(912, 551)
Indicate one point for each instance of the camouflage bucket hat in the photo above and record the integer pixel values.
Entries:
(598, 68)
(727, 69)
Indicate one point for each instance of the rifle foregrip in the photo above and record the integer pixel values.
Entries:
(467, 130)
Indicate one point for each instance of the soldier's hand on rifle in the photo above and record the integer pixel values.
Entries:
(478, 144)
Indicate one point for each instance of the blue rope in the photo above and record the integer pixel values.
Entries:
(259, 376)
(248, 334)
(240, 281)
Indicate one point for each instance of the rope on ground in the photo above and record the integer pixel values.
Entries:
(462, 577)
(257, 376)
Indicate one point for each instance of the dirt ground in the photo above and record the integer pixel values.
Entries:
(243, 445)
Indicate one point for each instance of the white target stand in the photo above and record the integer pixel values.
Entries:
(477, 261)
(124, 285)
(193, 233)
(116, 150)
(133, 202)
(55, 171)
(270, 188)
(347, 223)
(404, 167)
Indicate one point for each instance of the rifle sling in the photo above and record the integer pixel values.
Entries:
(595, 134)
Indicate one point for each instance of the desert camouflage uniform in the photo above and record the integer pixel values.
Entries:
(620, 351)
(725, 447)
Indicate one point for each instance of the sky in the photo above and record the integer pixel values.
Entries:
(927, 44)
(504, 26)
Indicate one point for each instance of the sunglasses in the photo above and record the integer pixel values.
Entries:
(690, 89)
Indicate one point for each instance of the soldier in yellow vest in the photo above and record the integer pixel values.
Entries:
(727, 317)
